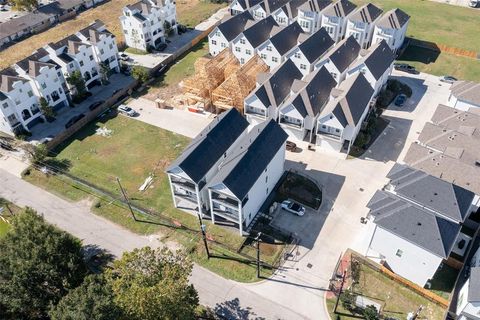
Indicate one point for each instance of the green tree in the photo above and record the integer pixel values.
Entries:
(25, 5)
(104, 70)
(371, 313)
(140, 73)
(37, 154)
(76, 80)
(93, 300)
(153, 284)
(39, 264)
(46, 109)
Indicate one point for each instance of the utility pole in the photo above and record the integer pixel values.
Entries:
(126, 199)
(204, 235)
(340, 291)
(258, 254)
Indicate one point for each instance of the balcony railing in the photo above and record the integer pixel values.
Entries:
(293, 125)
(253, 113)
(329, 135)
(184, 185)
(187, 197)
(226, 214)
(225, 201)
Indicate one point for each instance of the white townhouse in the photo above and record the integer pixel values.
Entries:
(416, 223)
(298, 114)
(340, 121)
(376, 66)
(72, 54)
(265, 8)
(309, 14)
(468, 299)
(190, 173)
(391, 27)
(146, 23)
(361, 24)
(19, 106)
(334, 18)
(274, 51)
(222, 36)
(104, 44)
(239, 6)
(246, 44)
(287, 13)
(465, 95)
(46, 79)
(309, 52)
(262, 104)
(339, 58)
(248, 175)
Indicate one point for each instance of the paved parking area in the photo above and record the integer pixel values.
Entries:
(461, 3)
(8, 14)
(99, 93)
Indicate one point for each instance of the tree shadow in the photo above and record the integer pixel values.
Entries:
(96, 258)
(232, 310)
(58, 165)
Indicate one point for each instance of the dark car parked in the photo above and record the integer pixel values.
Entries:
(400, 100)
(405, 68)
(74, 120)
(161, 47)
(95, 105)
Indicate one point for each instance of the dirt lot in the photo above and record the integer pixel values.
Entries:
(189, 12)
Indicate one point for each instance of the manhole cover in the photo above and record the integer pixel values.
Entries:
(309, 266)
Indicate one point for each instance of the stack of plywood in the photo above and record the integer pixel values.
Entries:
(209, 74)
(232, 92)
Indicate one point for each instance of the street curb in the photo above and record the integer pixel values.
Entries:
(325, 305)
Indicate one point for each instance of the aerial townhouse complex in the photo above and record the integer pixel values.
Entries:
(44, 73)
(147, 23)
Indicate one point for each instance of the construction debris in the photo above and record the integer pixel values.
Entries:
(104, 132)
(232, 92)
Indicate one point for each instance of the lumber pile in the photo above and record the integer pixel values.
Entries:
(232, 92)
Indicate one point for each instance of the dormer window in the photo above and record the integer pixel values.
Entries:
(269, 48)
(242, 41)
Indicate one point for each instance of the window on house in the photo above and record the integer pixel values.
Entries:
(17, 102)
(269, 48)
(242, 41)
(44, 85)
(110, 46)
(399, 253)
(102, 51)
(263, 56)
(266, 179)
(267, 190)
(303, 67)
(274, 59)
(214, 42)
(81, 63)
(297, 54)
(30, 93)
(237, 49)
(12, 119)
(5, 105)
(247, 51)
(71, 65)
(242, 60)
(223, 45)
(59, 74)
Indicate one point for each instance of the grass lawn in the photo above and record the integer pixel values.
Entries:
(437, 22)
(5, 226)
(190, 12)
(396, 300)
(133, 152)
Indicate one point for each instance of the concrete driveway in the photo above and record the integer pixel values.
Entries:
(99, 93)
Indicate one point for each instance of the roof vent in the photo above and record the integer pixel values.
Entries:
(435, 194)
(419, 223)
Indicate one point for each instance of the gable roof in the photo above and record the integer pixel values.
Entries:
(344, 53)
(393, 19)
(474, 285)
(340, 8)
(431, 192)
(8, 77)
(378, 59)
(235, 25)
(243, 167)
(210, 145)
(367, 13)
(350, 105)
(316, 45)
(287, 38)
(270, 6)
(246, 4)
(276, 88)
(414, 224)
(260, 31)
(468, 91)
(315, 5)
(291, 8)
(312, 98)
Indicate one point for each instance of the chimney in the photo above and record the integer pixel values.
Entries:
(71, 47)
(144, 8)
(31, 68)
(93, 35)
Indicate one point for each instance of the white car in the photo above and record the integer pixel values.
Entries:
(293, 207)
(126, 110)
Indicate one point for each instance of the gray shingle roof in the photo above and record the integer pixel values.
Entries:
(393, 19)
(474, 285)
(315, 5)
(313, 97)
(431, 192)
(344, 53)
(287, 38)
(271, 5)
(414, 224)
(340, 8)
(235, 25)
(316, 45)
(210, 145)
(378, 59)
(8, 77)
(243, 167)
(367, 13)
(260, 31)
(467, 91)
(245, 4)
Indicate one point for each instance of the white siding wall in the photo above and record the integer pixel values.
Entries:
(310, 21)
(415, 263)
(281, 18)
(242, 51)
(217, 42)
(270, 55)
(335, 26)
(362, 32)
(263, 186)
(393, 37)
(300, 61)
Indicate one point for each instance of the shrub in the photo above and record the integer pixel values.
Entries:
(371, 313)
(362, 140)
(347, 298)
(98, 204)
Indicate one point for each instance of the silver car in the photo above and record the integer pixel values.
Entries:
(293, 207)
(126, 110)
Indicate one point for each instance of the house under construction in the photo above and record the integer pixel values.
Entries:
(209, 74)
(232, 92)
